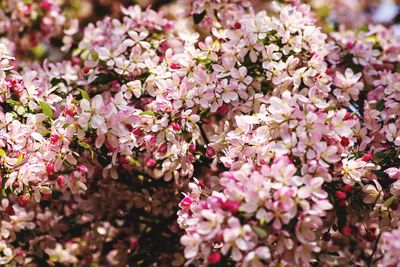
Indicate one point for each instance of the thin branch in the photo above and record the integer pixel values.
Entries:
(370, 260)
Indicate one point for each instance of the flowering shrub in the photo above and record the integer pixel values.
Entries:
(231, 133)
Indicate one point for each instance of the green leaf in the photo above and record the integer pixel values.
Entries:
(87, 146)
(13, 102)
(197, 18)
(389, 201)
(148, 112)
(133, 161)
(46, 109)
(84, 94)
(20, 158)
(3, 192)
(260, 232)
(2, 152)
(380, 105)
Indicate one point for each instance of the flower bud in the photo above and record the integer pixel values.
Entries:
(185, 203)
(23, 200)
(210, 152)
(346, 188)
(231, 206)
(340, 195)
(10, 210)
(54, 138)
(60, 181)
(50, 168)
(346, 230)
(47, 196)
(367, 157)
(150, 162)
(176, 126)
(214, 258)
(344, 141)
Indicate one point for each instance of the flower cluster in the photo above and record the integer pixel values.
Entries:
(287, 124)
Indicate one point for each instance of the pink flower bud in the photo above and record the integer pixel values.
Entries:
(230, 205)
(82, 169)
(192, 148)
(50, 168)
(54, 138)
(185, 203)
(60, 181)
(163, 148)
(174, 66)
(176, 126)
(367, 157)
(150, 162)
(214, 258)
(210, 152)
(46, 5)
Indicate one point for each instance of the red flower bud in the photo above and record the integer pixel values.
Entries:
(54, 138)
(378, 66)
(86, 70)
(346, 230)
(47, 196)
(174, 66)
(344, 141)
(328, 71)
(349, 45)
(16, 185)
(176, 126)
(163, 148)
(150, 162)
(137, 132)
(367, 157)
(341, 195)
(60, 181)
(214, 258)
(50, 169)
(210, 152)
(237, 26)
(185, 203)
(348, 116)
(346, 188)
(342, 203)
(19, 252)
(10, 210)
(134, 242)
(230, 205)
(23, 200)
